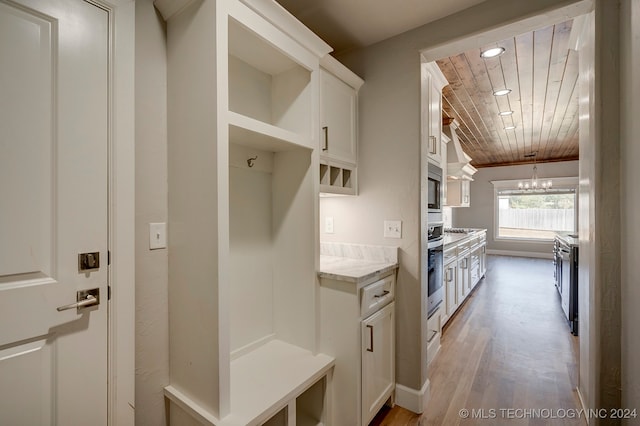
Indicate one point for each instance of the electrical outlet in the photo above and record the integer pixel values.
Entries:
(393, 229)
(328, 225)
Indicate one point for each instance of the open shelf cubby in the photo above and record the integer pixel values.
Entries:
(265, 84)
(337, 178)
(271, 276)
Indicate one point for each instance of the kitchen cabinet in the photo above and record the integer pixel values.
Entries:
(451, 290)
(357, 327)
(378, 360)
(339, 127)
(245, 76)
(434, 330)
(431, 110)
(463, 275)
(458, 193)
(450, 297)
(464, 267)
(444, 142)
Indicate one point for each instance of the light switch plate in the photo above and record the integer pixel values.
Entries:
(328, 225)
(393, 229)
(157, 236)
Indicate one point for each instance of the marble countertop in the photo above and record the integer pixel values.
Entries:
(568, 238)
(453, 238)
(352, 270)
(356, 263)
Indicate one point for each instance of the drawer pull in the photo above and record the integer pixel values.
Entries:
(370, 348)
(433, 334)
(325, 129)
(383, 294)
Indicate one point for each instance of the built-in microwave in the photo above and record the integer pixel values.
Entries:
(434, 189)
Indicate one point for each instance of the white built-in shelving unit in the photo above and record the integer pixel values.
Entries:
(243, 214)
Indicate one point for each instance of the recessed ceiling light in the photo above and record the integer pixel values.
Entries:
(501, 92)
(503, 113)
(492, 53)
(510, 127)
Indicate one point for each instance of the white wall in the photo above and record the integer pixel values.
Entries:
(389, 148)
(152, 332)
(482, 211)
(630, 206)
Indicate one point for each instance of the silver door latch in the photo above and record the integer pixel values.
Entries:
(84, 299)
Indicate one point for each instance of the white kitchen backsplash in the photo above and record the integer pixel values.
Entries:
(360, 251)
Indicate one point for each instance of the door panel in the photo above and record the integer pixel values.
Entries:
(53, 187)
(378, 360)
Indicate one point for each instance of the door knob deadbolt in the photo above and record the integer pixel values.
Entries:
(88, 261)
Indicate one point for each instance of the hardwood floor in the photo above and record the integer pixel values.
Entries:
(508, 349)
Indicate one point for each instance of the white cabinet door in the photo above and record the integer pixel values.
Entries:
(463, 278)
(450, 282)
(53, 186)
(458, 193)
(435, 125)
(378, 361)
(339, 103)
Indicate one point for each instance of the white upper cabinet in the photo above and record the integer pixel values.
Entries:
(338, 127)
(458, 193)
(339, 104)
(338, 111)
(433, 82)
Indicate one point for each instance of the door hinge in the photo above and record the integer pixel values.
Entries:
(109, 292)
(108, 257)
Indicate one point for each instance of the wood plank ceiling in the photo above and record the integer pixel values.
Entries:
(542, 73)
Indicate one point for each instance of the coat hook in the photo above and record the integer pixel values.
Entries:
(251, 161)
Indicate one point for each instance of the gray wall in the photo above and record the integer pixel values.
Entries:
(482, 211)
(629, 178)
(389, 148)
(152, 332)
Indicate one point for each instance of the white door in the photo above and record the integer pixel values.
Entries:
(53, 206)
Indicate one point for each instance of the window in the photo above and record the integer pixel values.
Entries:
(535, 215)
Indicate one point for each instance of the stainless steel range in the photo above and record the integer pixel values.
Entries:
(565, 259)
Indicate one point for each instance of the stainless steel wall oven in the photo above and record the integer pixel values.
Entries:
(435, 267)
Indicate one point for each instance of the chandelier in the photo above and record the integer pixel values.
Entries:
(535, 184)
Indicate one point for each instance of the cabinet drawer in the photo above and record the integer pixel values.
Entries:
(464, 246)
(376, 295)
(449, 254)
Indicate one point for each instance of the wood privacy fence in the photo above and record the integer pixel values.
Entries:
(544, 219)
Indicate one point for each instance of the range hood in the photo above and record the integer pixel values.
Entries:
(458, 162)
